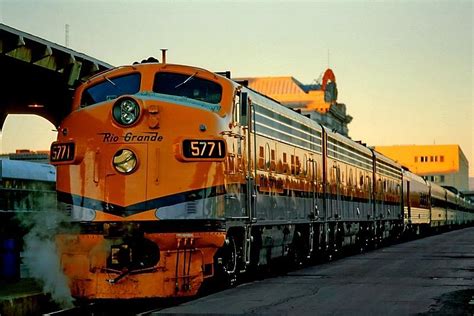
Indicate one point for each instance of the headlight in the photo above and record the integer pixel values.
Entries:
(125, 161)
(82, 214)
(126, 111)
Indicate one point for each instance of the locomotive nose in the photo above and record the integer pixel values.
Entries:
(129, 151)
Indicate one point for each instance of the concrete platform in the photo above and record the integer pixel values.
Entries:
(23, 297)
(430, 276)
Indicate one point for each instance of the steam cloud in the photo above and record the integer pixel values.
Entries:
(41, 256)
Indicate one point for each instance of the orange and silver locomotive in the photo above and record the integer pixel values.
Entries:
(141, 163)
(174, 174)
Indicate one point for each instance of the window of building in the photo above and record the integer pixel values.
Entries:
(441, 178)
(422, 159)
(436, 158)
(431, 158)
(441, 158)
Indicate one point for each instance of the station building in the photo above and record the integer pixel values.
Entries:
(443, 164)
(41, 156)
(317, 101)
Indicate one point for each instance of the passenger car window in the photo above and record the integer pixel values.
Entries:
(188, 86)
(111, 88)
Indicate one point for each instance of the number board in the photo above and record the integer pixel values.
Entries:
(203, 149)
(62, 152)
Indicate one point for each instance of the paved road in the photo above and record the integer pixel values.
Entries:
(434, 275)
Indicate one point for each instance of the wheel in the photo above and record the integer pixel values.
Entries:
(297, 254)
(230, 256)
(226, 263)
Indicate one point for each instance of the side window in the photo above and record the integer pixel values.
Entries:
(267, 156)
(261, 157)
(236, 113)
(293, 164)
(272, 160)
(298, 165)
(305, 164)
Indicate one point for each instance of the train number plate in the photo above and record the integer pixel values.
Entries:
(62, 152)
(203, 149)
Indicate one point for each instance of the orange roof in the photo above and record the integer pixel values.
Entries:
(276, 85)
(292, 93)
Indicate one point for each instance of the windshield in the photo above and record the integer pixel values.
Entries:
(111, 88)
(188, 86)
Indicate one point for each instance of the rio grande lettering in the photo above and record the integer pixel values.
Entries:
(131, 138)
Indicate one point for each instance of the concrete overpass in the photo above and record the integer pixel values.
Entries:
(38, 76)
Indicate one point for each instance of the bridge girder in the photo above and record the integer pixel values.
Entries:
(38, 76)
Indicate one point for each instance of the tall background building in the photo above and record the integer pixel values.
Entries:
(442, 164)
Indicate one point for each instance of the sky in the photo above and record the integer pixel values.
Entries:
(404, 69)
